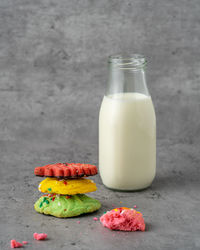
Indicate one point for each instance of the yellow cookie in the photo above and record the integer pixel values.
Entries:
(67, 187)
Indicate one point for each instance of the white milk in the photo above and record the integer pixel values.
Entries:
(127, 141)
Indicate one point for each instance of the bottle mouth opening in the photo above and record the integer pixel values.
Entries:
(128, 61)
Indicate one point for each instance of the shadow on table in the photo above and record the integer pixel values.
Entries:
(176, 179)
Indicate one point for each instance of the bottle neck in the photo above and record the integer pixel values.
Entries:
(127, 75)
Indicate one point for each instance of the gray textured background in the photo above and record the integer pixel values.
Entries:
(53, 73)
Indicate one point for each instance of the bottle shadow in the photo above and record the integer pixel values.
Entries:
(176, 179)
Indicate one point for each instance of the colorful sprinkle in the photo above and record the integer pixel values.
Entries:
(68, 197)
(120, 202)
(49, 189)
(135, 206)
(65, 209)
(47, 201)
(64, 182)
(25, 242)
(41, 203)
(78, 222)
(53, 198)
(95, 218)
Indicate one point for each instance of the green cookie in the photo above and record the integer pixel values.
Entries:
(66, 206)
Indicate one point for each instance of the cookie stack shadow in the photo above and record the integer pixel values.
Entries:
(64, 189)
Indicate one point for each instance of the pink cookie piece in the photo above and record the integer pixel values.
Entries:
(124, 219)
(41, 236)
(15, 244)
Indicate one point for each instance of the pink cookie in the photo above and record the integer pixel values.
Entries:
(124, 219)
(15, 244)
(41, 236)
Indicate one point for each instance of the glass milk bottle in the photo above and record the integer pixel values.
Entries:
(127, 126)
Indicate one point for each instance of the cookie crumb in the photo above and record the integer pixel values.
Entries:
(41, 236)
(15, 244)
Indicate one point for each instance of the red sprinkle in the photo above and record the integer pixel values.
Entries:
(53, 198)
(65, 209)
(95, 218)
(64, 182)
(41, 236)
(135, 206)
(15, 244)
(25, 242)
(68, 197)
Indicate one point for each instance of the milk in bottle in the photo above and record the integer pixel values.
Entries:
(127, 127)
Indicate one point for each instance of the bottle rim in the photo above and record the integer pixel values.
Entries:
(128, 61)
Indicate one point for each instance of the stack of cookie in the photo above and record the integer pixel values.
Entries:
(65, 188)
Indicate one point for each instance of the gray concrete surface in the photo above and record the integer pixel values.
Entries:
(52, 79)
